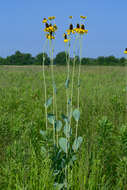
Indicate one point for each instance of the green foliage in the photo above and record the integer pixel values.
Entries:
(76, 114)
(58, 125)
(26, 59)
(77, 143)
(64, 144)
(60, 58)
(49, 102)
(51, 118)
(42, 57)
(27, 155)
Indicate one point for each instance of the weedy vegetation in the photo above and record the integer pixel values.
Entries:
(64, 127)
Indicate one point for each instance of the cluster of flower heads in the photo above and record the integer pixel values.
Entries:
(79, 29)
(125, 51)
(50, 28)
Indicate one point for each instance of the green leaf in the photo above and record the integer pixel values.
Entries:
(67, 83)
(54, 86)
(43, 149)
(77, 143)
(74, 158)
(69, 101)
(51, 118)
(48, 103)
(43, 133)
(58, 125)
(65, 118)
(76, 114)
(64, 144)
(79, 84)
(67, 131)
(59, 186)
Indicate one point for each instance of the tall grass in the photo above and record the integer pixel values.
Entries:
(102, 159)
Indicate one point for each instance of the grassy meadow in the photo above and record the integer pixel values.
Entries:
(102, 158)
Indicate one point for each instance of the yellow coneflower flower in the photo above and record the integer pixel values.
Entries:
(77, 29)
(55, 27)
(51, 18)
(50, 36)
(49, 28)
(65, 38)
(70, 17)
(83, 30)
(125, 51)
(80, 30)
(70, 30)
(46, 27)
(44, 20)
(83, 17)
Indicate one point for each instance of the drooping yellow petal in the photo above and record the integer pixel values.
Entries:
(51, 18)
(66, 40)
(50, 37)
(83, 17)
(44, 20)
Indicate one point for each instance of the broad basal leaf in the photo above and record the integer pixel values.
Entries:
(64, 144)
(67, 83)
(58, 125)
(67, 131)
(49, 102)
(51, 118)
(77, 143)
(76, 114)
(65, 118)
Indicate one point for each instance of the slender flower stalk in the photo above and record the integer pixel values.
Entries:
(45, 87)
(79, 72)
(73, 72)
(50, 30)
(53, 82)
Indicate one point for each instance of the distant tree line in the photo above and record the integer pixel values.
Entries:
(27, 59)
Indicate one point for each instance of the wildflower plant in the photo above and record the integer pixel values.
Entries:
(63, 147)
(125, 51)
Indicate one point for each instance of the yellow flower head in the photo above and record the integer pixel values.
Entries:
(70, 17)
(80, 30)
(83, 17)
(46, 27)
(65, 38)
(50, 36)
(70, 30)
(49, 28)
(125, 51)
(44, 20)
(55, 27)
(51, 18)
(77, 29)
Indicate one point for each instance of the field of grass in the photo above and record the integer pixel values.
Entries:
(102, 158)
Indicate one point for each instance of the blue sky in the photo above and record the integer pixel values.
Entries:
(21, 26)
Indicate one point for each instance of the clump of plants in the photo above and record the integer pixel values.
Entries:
(60, 139)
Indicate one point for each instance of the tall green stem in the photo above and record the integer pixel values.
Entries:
(73, 72)
(52, 75)
(79, 71)
(45, 88)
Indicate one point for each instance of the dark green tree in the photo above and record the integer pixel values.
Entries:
(101, 60)
(60, 58)
(2, 61)
(39, 59)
